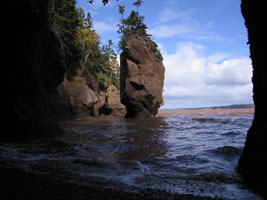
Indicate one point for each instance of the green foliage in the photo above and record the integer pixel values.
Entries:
(133, 25)
(138, 3)
(96, 60)
(64, 21)
(80, 44)
(103, 81)
(159, 55)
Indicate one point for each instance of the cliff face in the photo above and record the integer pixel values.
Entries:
(81, 97)
(142, 77)
(33, 71)
(253, 162)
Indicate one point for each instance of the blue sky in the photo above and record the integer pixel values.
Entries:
(203, 44)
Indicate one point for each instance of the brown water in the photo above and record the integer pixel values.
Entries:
(189, 152)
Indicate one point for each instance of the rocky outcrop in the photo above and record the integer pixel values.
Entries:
(113, 101)
(81, 97)
(253, 161)
(142, 77)
(109, 103)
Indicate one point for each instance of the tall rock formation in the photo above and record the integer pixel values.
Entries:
(253, 162)
(142, 77)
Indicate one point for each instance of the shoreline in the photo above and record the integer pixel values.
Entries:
(231, 111)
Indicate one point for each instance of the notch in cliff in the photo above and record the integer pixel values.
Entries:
(142, 76)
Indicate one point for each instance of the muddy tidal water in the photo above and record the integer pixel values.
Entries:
(185, 152)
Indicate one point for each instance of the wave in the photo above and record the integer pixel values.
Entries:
(231, 133)
(229, 151)
(211, 120)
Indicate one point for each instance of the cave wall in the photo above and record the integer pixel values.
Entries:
(253, 162)
(32, 71)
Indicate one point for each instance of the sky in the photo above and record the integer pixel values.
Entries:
(204, 47)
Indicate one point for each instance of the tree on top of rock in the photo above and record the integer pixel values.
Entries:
(133, 25)
(137, 4)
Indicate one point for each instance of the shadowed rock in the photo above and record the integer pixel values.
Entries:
(253, 162)
(142, 77)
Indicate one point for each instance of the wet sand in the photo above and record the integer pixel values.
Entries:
(239, 111)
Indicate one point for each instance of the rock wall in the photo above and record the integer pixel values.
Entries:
(142, 77)
(33, 70)
(81, 97)
(253, 162)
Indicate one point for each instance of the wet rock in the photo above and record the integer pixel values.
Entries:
(142, 77)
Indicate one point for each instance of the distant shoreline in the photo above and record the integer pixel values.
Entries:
(230, 111)
(233, 106)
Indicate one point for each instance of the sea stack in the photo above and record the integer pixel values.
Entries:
(141, 77)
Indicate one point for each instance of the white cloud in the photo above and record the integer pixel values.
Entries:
(171, 30)
(194, 80)
(184, 22)
(175, 21)
(184, 67)
(101, 27)
(169, 14)
(230, 72)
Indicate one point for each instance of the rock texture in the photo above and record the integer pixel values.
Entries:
(113, 101)
(142, 77)
(253, 161)
(81, 97)
(109, 103)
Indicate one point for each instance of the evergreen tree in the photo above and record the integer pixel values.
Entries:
(138, 3)
(64, 22)
(88, 22)
(133, 25)
(121, 11)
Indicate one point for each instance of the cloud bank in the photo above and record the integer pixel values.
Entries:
(195, 80)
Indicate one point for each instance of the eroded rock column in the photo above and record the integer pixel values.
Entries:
(141, 77)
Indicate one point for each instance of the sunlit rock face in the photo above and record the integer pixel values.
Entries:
(82, 97)
(142, 77)
(253, 161)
